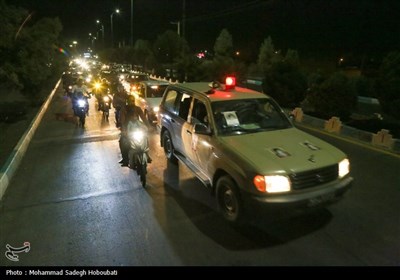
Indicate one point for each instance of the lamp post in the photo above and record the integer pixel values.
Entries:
(112, 30)
(102, 30)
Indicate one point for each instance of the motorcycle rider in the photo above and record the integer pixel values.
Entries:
(129, 112)
(79, 91)
(119, 100)
(102, 90)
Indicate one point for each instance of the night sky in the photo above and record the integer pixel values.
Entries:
(309, 26)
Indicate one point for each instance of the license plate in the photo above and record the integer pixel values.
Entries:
(320, 199)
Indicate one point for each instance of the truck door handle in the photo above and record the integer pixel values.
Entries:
(188, 131)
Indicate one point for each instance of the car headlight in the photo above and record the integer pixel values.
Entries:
(344, 168)
(156, 109)
(272, 183)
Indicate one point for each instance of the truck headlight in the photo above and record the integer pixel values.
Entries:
(344, 168)
(272, 183)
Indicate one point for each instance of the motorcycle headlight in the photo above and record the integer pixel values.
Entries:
(97, 86)
(156, 109)
(137, 135)
(81, 103)
(106, 98)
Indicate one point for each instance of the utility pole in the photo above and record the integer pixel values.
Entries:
(112, 29)
(183, 18)
(131, 42)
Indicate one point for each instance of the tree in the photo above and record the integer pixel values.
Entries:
(223, 45)
(143, 53)
(223, 63)
(267, 55)
(37, 49)
(10, 21)
(283, 79)
(285, 83)
(169, 46)
(335, 96)
(28, 51)
(389, 85)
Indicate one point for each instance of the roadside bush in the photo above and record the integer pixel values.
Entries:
(335, 96)
(13, 111)
(388, 85)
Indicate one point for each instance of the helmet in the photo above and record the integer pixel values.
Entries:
(130, 100)
(79, 81)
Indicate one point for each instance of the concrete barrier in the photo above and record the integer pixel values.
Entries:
(382, 140)
(13, 161)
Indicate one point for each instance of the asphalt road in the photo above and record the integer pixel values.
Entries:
(76, 206)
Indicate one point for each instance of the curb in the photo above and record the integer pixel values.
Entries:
(9, 168)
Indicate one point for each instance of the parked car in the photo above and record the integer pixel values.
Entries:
(241, 144)
(148, 95)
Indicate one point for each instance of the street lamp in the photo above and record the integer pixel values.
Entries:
(73, 47)
(112, 31)
(102, 30)
(178, 23)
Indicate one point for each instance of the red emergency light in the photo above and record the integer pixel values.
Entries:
(230, 82)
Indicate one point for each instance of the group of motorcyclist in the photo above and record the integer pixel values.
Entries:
(125, 110)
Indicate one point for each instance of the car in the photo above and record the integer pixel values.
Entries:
(148, 95)
(242, 145)
(132, 79)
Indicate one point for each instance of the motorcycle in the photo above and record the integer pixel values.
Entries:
(105, 106)
(138, 149)
(81, 109)
(102, 93)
